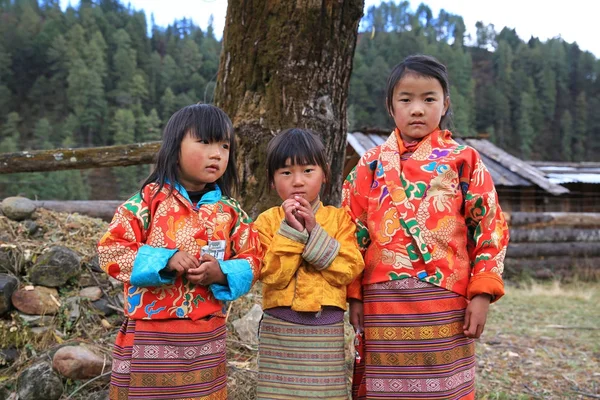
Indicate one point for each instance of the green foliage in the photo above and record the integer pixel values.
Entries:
(536, 100)
(91, 76)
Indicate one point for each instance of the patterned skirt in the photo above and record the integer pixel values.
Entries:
(170, 359)
(301, 361)
(414, 344)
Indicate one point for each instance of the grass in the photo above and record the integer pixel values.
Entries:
(542, 341)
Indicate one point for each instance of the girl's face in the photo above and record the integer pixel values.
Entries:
(418, 106)
(298, 180)
(201, 162)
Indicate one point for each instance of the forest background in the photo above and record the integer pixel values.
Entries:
(93, 76)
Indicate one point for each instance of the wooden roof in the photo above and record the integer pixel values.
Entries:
(506, 169)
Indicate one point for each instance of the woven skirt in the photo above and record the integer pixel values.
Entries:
(301, 361)
(414, 344)
(170, 359)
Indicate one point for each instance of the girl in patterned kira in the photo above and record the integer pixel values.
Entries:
(434, 240)
(172, 343)
(310, 256)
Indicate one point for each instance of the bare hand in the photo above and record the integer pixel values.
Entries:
(357, 315)
(290, 207)
(476, 315)
(305, 211)
(207, 273)
(182, 261)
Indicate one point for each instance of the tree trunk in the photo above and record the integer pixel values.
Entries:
(553, 267)
(554, 219)
(535, 250)
(286, 64)
(104, 209)
(560, 234)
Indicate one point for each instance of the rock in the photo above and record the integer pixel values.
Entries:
(40, 330)
(17, 208)
(31, 226)
(39, 382)
(55, 267)
(247, 326)
(8, 284)
(102, 305)
(93, 264)
(79, 362)
(39, 301)
(36, 320)
(74, 308)
(8, 356)
(86, 279)
(92, 293)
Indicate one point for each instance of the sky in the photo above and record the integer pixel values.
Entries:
(573, 20)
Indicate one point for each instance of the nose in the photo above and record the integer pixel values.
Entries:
(297, 180)
(215, 151)
(416, 110)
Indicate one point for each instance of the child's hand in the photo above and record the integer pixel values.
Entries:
(305, 211)
(290, 207)
(356, 315)
(476, 315)
(181, 262)
(207, 273)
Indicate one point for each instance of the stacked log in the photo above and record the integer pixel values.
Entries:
(554, 245)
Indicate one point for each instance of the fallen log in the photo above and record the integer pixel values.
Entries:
(82, 158)
(565, 234)
(551, 219)
(535, 250)
(104, 209)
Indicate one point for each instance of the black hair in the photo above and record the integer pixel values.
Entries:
(301, 147)
(202, 121)
(427, 67)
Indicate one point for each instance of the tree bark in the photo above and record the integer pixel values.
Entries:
(553, 267)
(553, 219)
(82, 158)
(286, 64)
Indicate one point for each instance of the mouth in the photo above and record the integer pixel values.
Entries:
(417, 123)
(212, 168)
(298, 194)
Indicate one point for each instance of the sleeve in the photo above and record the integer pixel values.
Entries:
(122, 253)
(242, 269)
(488, 234)
(282, 254)
(355, 201)
(348, 263)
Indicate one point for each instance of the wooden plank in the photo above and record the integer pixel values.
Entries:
(516, 165)
(553, 267)
(536, 250)
(82, 158)
(553, 234)
(555, 219)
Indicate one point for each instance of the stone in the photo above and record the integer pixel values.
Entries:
(102, 305)
(103, 395)
(39, 382)
(247, 326)
(39, 301)
(8, 356)
(36, 320)
(55, 267)
(79, 362)
(17, 208)
(92, 293)
(8, 285)
(31, 226)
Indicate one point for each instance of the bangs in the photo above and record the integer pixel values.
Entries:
(299, 152)
(209, 126)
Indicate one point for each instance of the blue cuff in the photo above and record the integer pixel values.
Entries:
(239, 280)
(149, 265)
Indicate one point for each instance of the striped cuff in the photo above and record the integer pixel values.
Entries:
(321, 249)
(291, 233)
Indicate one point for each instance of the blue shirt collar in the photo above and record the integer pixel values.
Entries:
(208, 198)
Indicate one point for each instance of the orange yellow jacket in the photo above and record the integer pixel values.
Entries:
(434, 216)
(291, 281)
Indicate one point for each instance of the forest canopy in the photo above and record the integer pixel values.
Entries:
(101, 74)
